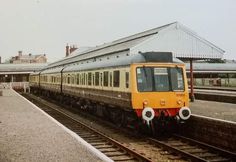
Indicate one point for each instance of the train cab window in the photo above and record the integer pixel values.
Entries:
(116, 78)
(177, 80)
(105, 78)
(144, 79)
(127, 79)
(89, 78)
(160, 79)
(96, 78)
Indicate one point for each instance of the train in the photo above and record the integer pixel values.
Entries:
(142, 90)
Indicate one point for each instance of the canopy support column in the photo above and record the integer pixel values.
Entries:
(191, 81)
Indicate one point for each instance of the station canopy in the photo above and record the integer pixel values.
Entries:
(184, 43)
(21, 68)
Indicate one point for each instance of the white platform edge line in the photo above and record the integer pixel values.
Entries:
(92, 149)
(220, 120)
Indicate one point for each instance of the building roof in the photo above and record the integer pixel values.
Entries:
(21, 68)
(176, 38)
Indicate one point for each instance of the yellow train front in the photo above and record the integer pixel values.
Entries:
(160, 93)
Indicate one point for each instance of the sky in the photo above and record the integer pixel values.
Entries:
(46, 26)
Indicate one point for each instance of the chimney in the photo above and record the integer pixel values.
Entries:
(67, 50)
(19, 53)
(73, 48)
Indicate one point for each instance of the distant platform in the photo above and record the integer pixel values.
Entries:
(219, 110)
(29, 134)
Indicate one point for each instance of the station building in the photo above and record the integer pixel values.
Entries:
(17, 75)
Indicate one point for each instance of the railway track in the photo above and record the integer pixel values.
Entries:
(194, 150)
(146, 149)
(110, 147)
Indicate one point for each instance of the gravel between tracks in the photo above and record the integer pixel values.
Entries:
(28, 135)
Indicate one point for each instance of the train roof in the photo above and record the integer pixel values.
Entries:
(53, 70)
(163, 57)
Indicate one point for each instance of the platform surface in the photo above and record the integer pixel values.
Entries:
(27, 134)
(219, 110)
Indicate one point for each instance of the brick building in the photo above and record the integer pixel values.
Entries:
(25, 59)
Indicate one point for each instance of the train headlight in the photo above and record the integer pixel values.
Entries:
(184, 113)
(145, 103)
(148, 114)
(179, 102)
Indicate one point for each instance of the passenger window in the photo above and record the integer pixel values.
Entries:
(116, 78)
(89, 78)
(83, 79)
(100, 79)
(127, 79)
(93, 81)
(86, 79)
(78, 79)
(68, 79)
(105, 78)
(110, 79)
(96, 78)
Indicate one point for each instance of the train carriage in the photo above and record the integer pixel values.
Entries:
(149, 87)
(34, 80)
(50, 80)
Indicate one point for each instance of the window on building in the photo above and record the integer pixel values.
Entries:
(116, 78)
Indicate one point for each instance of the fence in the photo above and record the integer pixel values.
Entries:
(20, 86)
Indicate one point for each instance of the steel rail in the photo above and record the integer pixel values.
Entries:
(220, 155)
(129, 151)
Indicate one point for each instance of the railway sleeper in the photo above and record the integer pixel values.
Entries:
(111, 154)
(95, 140)
(113, 149)
(98, 143)
(122, 158)
(104, 146)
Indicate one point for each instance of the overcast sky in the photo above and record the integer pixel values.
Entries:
(46, 26)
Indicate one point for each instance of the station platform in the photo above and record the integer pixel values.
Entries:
(29, 134)
(218, 110)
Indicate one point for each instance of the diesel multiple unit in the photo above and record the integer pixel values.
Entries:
(148, 88)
